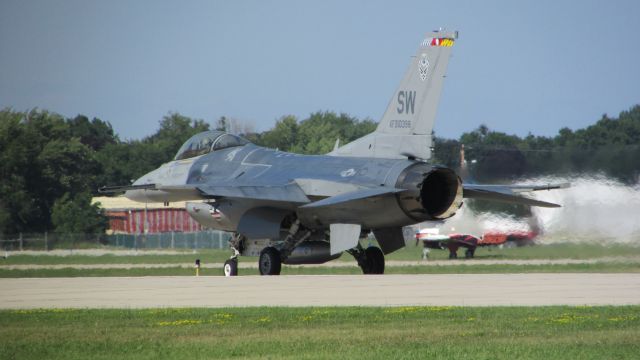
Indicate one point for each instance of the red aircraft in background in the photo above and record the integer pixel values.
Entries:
(431, 239)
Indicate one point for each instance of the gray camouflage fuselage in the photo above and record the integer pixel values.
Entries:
(250, 176)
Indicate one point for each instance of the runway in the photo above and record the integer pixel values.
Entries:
(322, 290)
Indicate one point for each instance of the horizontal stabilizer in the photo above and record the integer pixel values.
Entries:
(516, 189)
(484, 194)
(353, 196)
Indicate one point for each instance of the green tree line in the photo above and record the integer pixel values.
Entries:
(51, 166)
(610, 147)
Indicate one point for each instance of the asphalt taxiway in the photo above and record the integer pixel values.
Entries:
(322, 290)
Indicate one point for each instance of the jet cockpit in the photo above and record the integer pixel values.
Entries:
(206, 142)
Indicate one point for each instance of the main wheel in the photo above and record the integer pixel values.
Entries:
(231, 267)
(374, 261)
(269, 262)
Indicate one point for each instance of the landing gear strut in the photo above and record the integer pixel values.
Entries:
(271, 258)
(231, 266)
(370, 260)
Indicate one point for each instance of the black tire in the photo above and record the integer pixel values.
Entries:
(374, 261)
(230, 267)
(269, 262)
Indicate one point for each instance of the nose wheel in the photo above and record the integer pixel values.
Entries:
(231, 267)
(236, 244)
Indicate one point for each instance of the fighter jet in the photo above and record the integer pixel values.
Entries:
(308, 209)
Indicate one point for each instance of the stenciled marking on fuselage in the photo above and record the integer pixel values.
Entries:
(348, 173)
(406, 102)
(244, 160)
(232, 154)
(400, 124)
(423, 67)
(176, 172)
(436, 41)
(282, 154)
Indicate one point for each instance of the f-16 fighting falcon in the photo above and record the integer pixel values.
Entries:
(309, 209)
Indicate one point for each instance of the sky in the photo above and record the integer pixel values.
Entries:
(518, 66)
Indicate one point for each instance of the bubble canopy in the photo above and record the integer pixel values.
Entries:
(206, 142)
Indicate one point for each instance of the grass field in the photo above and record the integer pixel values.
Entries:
(208, 256)
(557, 251)
(605, 267)
(347, 333)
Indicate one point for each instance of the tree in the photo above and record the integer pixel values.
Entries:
(124, 162)
(446, 152)
(76, 215)
(40, 161)
(283, 136)
(95, 134)
(65, 167)
(174, 130)
(16, 206)
(316, 134)
(221, 125)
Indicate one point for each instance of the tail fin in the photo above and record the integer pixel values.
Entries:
(406, 126)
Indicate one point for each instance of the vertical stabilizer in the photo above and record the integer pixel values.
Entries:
(407, 124)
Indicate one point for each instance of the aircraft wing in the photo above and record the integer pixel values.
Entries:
(508, 193)
(175, 190)
(282, 193)
(285, 193)
(121, 188)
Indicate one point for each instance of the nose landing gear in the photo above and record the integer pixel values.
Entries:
(231, 266)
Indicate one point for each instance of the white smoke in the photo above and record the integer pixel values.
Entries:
(467, 221)
(594, 209)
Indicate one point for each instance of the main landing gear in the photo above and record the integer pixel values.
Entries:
(271, 258)
(370, 260)
(270, 262)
